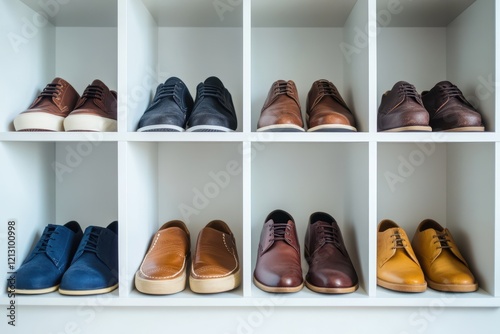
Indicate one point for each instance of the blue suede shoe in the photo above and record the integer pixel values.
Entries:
(169, 109)
(42, 270)
(94, 268)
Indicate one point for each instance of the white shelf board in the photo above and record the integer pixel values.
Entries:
(438, 137)
(185, 136)
(77, 13)
(300, 13)
(196, 13)
(422, 13)
(305, 137)
(60, 136)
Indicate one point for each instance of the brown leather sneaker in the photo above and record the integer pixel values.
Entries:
(163, 270)
(96, 110)
(449, 110)
(326, 110)
(330, 267)
(278, 267)
(281, 111)
(50, 108)
(401, 109)
(215, 266)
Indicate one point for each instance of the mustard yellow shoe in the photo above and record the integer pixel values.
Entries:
(397, 266)
(444, 267)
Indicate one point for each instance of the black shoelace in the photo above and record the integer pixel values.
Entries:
(451, 91)
(207, 90)
(90, 245)
(93, 92)
(165, 91)
(51, 90)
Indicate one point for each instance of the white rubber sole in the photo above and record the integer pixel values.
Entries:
(281, 128)
(35, 291)
(161, 128)
(38, 121)
(208, 128)
(160, 287)
(333, 128)
(86, 122)
(87, 292)
(215, 285)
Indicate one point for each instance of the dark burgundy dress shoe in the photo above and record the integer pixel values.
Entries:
(330, 268)
(278, 267)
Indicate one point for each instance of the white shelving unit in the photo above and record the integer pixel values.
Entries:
(146, 179)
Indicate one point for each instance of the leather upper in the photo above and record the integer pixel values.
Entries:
(282, 105)
(278, 258)
(216, 254)
(402, 106)
(213, 106)
(97, 100)
(58, 98)
(448, 108)
(326, 106)
(167, 255)
(396, 261)
(439, 256)
(170, 106)
(325, 252)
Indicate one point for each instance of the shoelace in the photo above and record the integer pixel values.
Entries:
(329, 234)
(51, 90)
(408, 91)
(278, 231)
(165, 91)
(282, 88)
(398, 241)
(46, 237)
(207, 90)
(90, 245)
(451, 91)
(442, 239)
(93, 92)
(327, 89)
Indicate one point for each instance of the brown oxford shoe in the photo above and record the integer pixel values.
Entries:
(401, 109)
(326, 110)
(281, 111)
(449, 110)
(50, 108)
(163, 270)
(215, 265)
(444, 267)
(278, 267)
(330, 268)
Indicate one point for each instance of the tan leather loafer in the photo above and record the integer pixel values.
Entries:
(444, 267)
(163, 270)
(397, 266)
(215, 266)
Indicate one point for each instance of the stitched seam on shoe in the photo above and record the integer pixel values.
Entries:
(161, 277)
(218, 276)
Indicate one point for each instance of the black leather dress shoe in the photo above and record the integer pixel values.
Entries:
(169, 109)
(213, 109)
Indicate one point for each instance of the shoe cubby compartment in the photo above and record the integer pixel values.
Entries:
(193, 182)
(425, 42)
(310, 40)
(54, 183)
(453, 184)
(303, 178)
(75, 40)
(205, 40)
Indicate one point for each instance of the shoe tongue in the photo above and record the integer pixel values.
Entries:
(58, 80)
(99, 83)
(444, 84)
